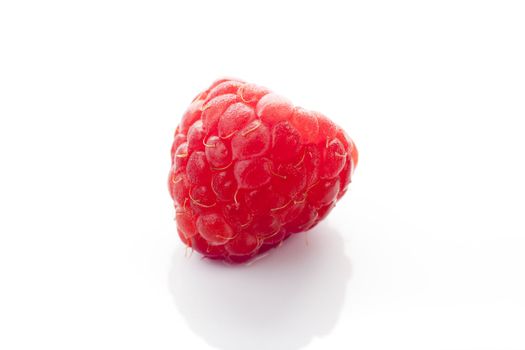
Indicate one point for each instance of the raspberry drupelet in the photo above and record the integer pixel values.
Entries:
(249, 169)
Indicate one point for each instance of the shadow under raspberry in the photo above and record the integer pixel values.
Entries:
(279, 302)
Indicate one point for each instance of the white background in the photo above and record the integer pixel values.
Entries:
(427, 250)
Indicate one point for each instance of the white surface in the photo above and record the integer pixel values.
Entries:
(425, 252)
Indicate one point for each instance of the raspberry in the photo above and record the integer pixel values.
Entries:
(248, 169)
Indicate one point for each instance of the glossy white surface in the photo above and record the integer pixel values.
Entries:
(425, 251)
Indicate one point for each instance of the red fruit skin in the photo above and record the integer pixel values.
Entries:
(249, 169)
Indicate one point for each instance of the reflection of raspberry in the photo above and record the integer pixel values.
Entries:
(249, 169)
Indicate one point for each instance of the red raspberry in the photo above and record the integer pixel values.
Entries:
(249, 169)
